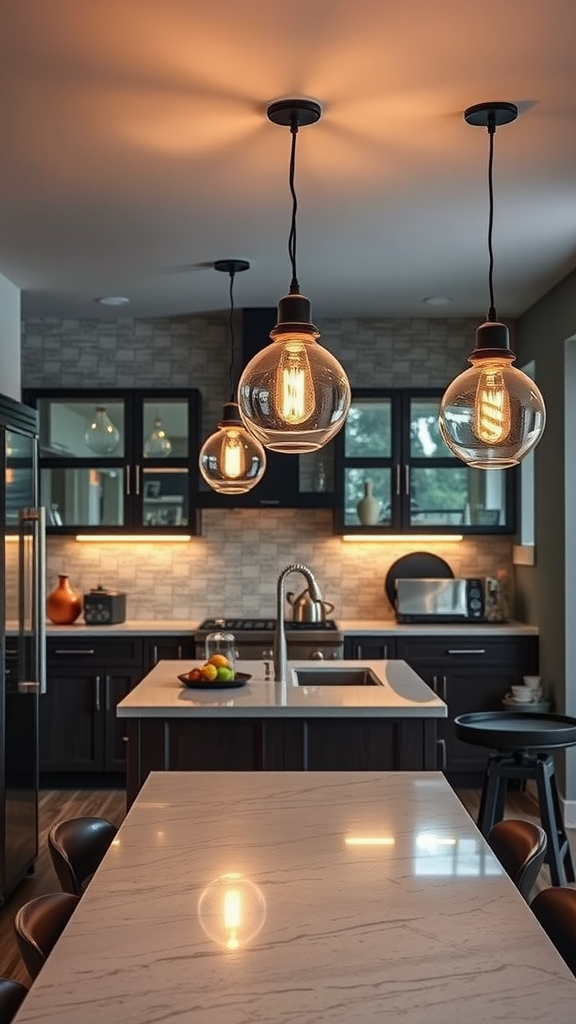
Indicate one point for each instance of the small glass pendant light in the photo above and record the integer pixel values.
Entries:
(101, 436)
(158, 444)
(294, 395)
(492, 415)
(232, 460)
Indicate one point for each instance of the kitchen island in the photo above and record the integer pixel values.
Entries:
(268, 726)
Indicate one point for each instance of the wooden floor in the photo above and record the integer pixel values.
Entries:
(111, 803)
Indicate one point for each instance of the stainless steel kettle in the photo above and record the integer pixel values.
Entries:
(305, 609)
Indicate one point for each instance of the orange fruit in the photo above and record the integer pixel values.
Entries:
(208, 673)
(219, 660)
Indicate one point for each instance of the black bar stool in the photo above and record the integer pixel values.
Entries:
(521, 741)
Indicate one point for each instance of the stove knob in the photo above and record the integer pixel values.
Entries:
(316, 656)
(267, 654)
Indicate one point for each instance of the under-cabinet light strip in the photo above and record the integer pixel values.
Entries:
(134, 538)
(405, 538)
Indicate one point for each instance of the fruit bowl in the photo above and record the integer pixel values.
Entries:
(240, 679)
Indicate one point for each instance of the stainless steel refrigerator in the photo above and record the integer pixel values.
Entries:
(22, 640)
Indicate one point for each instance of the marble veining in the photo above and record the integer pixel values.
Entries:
(403, 694)
(380, 901)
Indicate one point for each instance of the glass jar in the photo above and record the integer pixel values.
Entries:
(221, 644)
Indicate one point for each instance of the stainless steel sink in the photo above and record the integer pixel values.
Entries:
(329, 675)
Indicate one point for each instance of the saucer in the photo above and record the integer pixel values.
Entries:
(540, 706)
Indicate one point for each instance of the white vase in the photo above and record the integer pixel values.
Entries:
(368, 508)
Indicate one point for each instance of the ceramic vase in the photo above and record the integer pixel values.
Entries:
(368, 508)
(63, 605)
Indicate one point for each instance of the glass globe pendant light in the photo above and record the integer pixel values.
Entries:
(294, 396)
(157, 445)
(101, 436)
(492, 415)
(232, 460)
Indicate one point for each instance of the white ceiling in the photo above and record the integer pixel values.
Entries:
(136, 151)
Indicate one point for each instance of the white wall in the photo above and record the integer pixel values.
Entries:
(10, 378)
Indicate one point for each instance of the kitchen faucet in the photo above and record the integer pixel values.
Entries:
(280, 633)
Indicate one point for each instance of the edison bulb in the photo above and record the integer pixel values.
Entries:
(492, 406)
(231, 460)
(492, 415)
(232, 910)
(295, 386)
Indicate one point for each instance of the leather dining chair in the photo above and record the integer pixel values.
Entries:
(520, 846)
(12, 995)
(38, 926)
(555, 909)
(77, 846)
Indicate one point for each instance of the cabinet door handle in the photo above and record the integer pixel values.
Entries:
(397, 469)
(435, 684)
(406, 479)
(107, 683)
(83, 652)
(155, 654)
(127, 480)
(137, 490)
(441, 744)
(444, 689)
(479, 650)
(179, 651)
(97, 693)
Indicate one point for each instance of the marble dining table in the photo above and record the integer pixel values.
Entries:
(281, 897)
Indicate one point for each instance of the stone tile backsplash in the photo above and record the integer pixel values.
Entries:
(232, 568)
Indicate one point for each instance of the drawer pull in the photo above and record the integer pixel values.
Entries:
(86, 651)
(442, 746)
(479, 650)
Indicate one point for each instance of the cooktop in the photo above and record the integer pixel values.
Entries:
(263, 624)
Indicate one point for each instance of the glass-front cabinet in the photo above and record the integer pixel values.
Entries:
(117, 462)
(395, 473)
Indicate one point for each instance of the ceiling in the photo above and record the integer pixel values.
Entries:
(136, 151)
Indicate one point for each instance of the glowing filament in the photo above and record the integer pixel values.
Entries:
(232, 456)
(492, 407)
(295, 384)
(232, 917)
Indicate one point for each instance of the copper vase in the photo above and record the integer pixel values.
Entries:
(63, 605)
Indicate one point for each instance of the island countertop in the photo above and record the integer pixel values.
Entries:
(403, 695)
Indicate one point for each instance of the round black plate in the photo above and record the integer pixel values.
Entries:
(516, 730)
(240, 679)
(419, 565)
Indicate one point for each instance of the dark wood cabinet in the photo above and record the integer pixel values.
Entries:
(369, 648)
(79, 730)
(391, 449)
(168, 648)
(471, 673)
(113, 462)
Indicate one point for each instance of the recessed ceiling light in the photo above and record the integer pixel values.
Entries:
(437, 300)
(113, 300)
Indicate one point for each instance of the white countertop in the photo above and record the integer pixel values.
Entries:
(389, 627)
(403, 695)
(376, 627)
(378, 901)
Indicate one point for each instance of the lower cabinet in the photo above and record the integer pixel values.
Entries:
(79, 730)
(277, 744)
(470, 673)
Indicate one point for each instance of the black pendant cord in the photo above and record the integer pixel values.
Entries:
(294, 285)
(232, 340)
(492, 317)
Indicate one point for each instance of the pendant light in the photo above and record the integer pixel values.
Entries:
(294, 395)
(101, 436)
(492, 415)
(157, 445)
(232, 460)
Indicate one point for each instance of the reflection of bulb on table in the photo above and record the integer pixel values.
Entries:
(231, 910)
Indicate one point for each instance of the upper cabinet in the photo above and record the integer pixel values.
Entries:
(290, 481)
(390, 453)
(118, 461)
